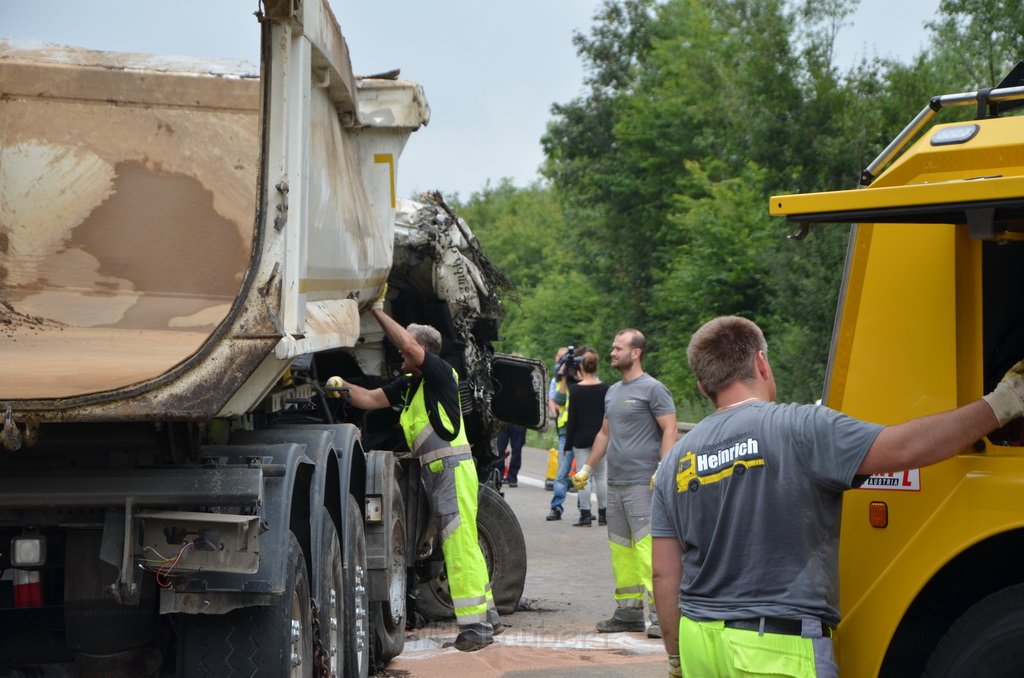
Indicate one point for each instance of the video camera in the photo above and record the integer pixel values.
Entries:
(569, 365)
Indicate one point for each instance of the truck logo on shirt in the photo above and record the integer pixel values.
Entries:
(695, 469)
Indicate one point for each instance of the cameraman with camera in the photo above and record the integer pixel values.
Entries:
(566, 373)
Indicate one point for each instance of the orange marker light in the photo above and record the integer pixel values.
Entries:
(878, 514)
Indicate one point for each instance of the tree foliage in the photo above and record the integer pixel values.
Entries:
(653, 214)
(978, 41)
(523, 232)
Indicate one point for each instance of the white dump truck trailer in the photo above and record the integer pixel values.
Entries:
(186, 252)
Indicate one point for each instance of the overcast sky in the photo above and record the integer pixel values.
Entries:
(491, 70)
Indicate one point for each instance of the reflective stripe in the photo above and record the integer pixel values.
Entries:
(642, 532)
(563, 413)
(628, 598)
(422, 437)
(467, 569)
(464, 618)
(443, 452)
(419, 433)
(449, 529)
(619, 540)
(428, 440)
(467, 602)
(631, 567)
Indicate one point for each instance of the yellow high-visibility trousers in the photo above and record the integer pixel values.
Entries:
(452, 486)
(630, 542)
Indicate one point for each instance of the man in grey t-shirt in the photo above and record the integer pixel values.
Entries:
(747, 506)
(638, 429)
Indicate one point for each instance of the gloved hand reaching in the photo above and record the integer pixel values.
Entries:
(378, 303)
(655, 474)
(579, 480)
(335, 382)
(674, 670)
(1007, 399)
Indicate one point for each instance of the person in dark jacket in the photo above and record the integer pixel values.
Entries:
(512, 438)
(586, 413)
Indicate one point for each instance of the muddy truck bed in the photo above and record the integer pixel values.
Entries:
(143, 273)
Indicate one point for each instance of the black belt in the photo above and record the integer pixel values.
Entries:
(786, 627)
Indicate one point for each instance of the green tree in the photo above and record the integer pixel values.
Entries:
(520, 228)
(722, 270)
(695, 112)
(976, 42)
(606, 222)
(524, 235)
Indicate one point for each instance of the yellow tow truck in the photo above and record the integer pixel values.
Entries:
(931, 315)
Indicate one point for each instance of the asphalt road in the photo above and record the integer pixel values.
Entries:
(568, 589)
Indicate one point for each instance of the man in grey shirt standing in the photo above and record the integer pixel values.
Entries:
(747, 508)
(639, 428)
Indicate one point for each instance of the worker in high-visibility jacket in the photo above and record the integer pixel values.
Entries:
(559, 399)
(431, 419)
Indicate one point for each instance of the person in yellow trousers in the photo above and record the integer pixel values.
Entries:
(431, 419)
(638, 429)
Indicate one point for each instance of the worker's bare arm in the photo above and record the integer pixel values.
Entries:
(928, 440)
(667, 567)
(669, 433)
(600, 446)
(400, 337)
(366, 399)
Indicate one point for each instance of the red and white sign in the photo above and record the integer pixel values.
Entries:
(904, 480)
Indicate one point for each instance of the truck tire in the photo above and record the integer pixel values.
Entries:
(356, 645)
(504, 548)
(330, 607)
(387, 617)
(987, 640)
(272, 640)
(94, 623)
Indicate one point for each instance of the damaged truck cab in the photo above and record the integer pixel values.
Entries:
(186, 252)
(931, 316)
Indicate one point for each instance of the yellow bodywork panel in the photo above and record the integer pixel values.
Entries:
(903, 346)
(895, 358)
(946, 184)
(953, 191)
(909, 342)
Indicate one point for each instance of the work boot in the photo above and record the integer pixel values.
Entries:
(585, 519)
(624, 620)
(556, 514)
(495, 621)
(653, 628)
(473, 637)
(602, 516)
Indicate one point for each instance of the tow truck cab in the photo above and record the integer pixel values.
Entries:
(930, 317)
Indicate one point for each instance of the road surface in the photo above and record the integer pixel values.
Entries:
(568, 589)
